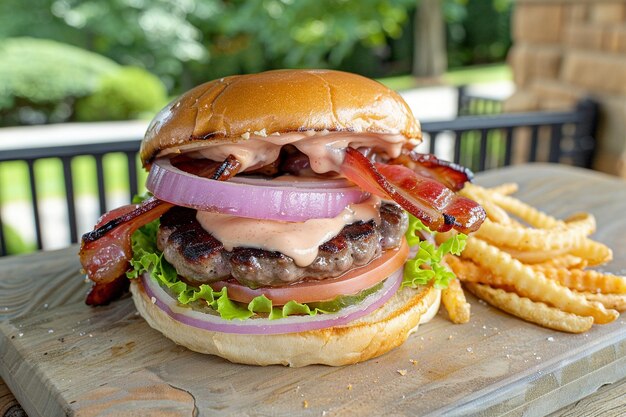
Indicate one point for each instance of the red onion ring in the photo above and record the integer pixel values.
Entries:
(297, 182)
(291, 324)
(253, 198)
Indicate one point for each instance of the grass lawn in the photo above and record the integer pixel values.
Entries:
(14, 184)
(468, 75)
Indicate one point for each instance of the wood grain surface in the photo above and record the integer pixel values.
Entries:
(60, 357)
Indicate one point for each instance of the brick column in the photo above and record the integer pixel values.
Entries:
(568, 49)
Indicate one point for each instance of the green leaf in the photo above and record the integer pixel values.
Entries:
(428, 252)
(230, 310)
(415, 273)
(454, 245)
(443, 276)
(188, 294)
(426, 265)
(140, 198)
(260, 304)
(412, 233)
(293, 307)
(277, 313)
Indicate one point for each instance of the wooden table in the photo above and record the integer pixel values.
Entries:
(60, 357)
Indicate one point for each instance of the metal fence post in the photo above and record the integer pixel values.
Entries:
(460, 100)
(585, 132)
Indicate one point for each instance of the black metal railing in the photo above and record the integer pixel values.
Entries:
(66, 154)
(478, 142)
(486, 142)
(471, 104)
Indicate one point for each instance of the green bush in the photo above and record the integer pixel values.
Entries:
(127, 93)
(39, 79)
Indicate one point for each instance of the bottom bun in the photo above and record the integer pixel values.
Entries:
(365, 338)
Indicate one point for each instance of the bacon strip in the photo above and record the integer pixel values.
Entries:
(106, 251)
(436, 206)
(452, 175)
(101, 294)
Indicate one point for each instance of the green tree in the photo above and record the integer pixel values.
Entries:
(189, 41)
(477, 31)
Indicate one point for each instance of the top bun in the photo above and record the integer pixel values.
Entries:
(278, 102)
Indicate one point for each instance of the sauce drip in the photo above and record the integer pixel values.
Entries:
(325, 149)
(298, 240)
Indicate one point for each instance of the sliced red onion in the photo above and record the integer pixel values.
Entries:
(291, 324)
(254, 198)
(296, 182)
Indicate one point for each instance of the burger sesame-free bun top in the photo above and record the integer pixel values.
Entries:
(278, 102)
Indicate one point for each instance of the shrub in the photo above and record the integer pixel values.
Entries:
(39, 79)
(127, 93)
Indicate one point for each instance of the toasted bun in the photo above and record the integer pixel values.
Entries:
(278, 102)
(365, 338)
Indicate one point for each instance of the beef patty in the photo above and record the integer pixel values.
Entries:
(199, 258)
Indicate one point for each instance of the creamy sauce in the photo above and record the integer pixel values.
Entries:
(324, 149)
(298, 240)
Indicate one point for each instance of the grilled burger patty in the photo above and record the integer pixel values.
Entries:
(199, 258)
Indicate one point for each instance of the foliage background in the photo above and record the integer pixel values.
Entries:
(186, 42)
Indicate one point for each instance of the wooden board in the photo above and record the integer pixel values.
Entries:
(65, 358)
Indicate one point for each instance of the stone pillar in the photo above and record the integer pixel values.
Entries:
(565, 50)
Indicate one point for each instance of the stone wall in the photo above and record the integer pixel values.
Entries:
(565, 50)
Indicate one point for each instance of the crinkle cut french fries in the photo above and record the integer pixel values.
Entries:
(454, 301)
(532, 265)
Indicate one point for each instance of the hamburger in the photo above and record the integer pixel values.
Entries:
(274, 230)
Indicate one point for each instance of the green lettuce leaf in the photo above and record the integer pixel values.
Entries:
(229, 309)
(426, 265)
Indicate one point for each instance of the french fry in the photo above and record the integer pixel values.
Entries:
(529, 214)
(614, 301)
(525, 258)
(585, 222)
(535, 257)
(572, 236)
(533, 284)
(494, 212)
(468, 271)
(562, 261)
(454, 301)
(585, 280)
(531, 311)
(595, 253)
(505, 189)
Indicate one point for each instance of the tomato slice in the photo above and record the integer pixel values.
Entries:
(352, 282)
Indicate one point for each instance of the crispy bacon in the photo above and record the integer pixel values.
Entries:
(435, 205)
(101, 294)
(106, 251)
(219, 171)
(452, 175)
